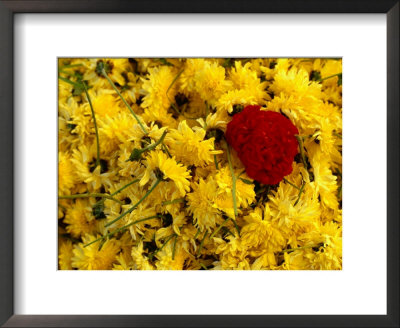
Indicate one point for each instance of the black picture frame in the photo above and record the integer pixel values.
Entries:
(7, 11)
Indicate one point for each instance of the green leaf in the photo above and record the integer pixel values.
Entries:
(246, 181)
(77, 91)
(339, 82)
(135, 155)
(79, 76)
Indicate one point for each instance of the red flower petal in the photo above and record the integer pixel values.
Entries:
(265, 143)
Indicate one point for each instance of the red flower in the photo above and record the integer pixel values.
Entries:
(265, 143)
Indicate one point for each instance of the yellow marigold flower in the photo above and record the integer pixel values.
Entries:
(165, 193)
(333, 95)
(295, 82)
(128, 168)
(80, 120)
(156, 101)
(326, 240)
(91, 258)
(211, 83)
(260, 230)
(215, 121)
(331, 68)
(265, 261)
(189, 146)
(245, 194)
(113, 67)
(79, 219)
(295, 213)
(170, 169)
(330, 257)
(236, 97)
(233, 254)
(325, 140)
(122, 263)
(248, 89)
(165, 261)
(65, 254)
(191, 68)
(105, 104)
(141, 261)
(118, 67)
(201, 204)
(84, 158)
(115, 130)
(64, 90)
(174, 208)
(66, 174)
(298, 260)
(325, 181)
(124, 258)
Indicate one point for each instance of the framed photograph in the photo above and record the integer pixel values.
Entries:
(203, 164)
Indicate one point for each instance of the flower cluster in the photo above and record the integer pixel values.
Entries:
(200, 164)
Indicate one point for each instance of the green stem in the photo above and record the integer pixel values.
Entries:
(236, 226)
(87, 195)
(293, 185)
(330, 76)
(215, 162)
(219, 228)
(134, 206)
(164, 147)
(233, 181)
(201, 243)
(168, 202)
(95, 125)
(203, 266)
(124, 187)
(173, 82)
(154, 145)
(137, 153)
(207, 112)
(123, 99)
(163, 245)
(197, 233)
(75, 84)
(174, 247)
(303, 157)
(118, 191)
(300, 192)
(121, 229)
(230, 232)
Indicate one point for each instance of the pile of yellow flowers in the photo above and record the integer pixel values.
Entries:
(147, 180)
